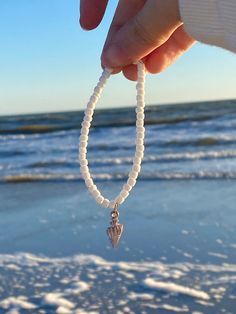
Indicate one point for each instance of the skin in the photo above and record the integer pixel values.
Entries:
(148, 30)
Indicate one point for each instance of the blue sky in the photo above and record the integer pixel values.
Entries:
(48, 63)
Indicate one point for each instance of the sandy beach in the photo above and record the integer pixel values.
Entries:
(178, 250)
(177, 253)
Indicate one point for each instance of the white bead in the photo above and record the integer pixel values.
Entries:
(89, 111)
(84, 169)
(99, 199)
(121, 200)
(83, 144)
(140, 106)
(95, 193)
(140, 148)
(93, 99)
(84, 131)
(112, 204)
(127, 187)
(137, 160)
(140, 90)
(139, 111)
(139, 154)
(131, 182)
(139, 141)
(105, 203)
(83, 162)
(139, 85)
(140, 135)
(86, 124)
(88, 119)
(91, 106)
(139, 123)
(81, 156)
(140, 130)
(97, 90)
(89, 182)
(83, 151)
(93, 188)
(140, 116)
(124, 194)
(86, 176)
(136, 168)
(133, 175)
(84, 138)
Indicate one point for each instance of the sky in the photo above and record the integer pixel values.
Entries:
(48, 63)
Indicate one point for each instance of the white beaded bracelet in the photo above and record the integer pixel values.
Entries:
(115, 230)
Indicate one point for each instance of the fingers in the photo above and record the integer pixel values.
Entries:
(91, 13)
(125, 11)
(163, 56)
(148, 29)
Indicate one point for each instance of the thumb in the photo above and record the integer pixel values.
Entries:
(149, 29)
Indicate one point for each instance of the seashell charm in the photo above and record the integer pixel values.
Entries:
(115, 230)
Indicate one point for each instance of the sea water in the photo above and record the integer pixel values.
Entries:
(178, 251)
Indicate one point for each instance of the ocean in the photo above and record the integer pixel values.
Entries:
(178, 252)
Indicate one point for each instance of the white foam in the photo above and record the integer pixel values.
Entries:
(81, 311)
(172, 308)
(142, 296)
(57, 300)
(13, 311)
(78, 287)
(223, 256)
(19, 302)
(175, 288)
(13, 267)
(35, 272)
(168, 157)
(63, 310)
(126, 274)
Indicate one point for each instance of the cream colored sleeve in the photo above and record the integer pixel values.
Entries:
(210, 21)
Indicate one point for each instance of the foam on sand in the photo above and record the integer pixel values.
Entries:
(89, 284)
(57, 300)
(19, 302)
(175, 288)
(172, 308)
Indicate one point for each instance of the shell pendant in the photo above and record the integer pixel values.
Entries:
(115, 230)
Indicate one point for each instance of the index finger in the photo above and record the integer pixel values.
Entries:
(125, 11)
(91, 13)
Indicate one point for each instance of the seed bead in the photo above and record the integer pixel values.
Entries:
(140, 130)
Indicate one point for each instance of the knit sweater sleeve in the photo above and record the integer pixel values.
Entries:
(210, 21)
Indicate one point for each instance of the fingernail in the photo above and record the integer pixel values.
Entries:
(112, 57)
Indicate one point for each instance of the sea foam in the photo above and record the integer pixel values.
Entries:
(90, 284)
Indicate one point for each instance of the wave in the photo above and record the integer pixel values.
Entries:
(167, 157)
(154, 115)
(127, 160)
(200, 175)
(62, 284)
(218, 141)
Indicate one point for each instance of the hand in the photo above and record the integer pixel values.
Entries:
(150, 30)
